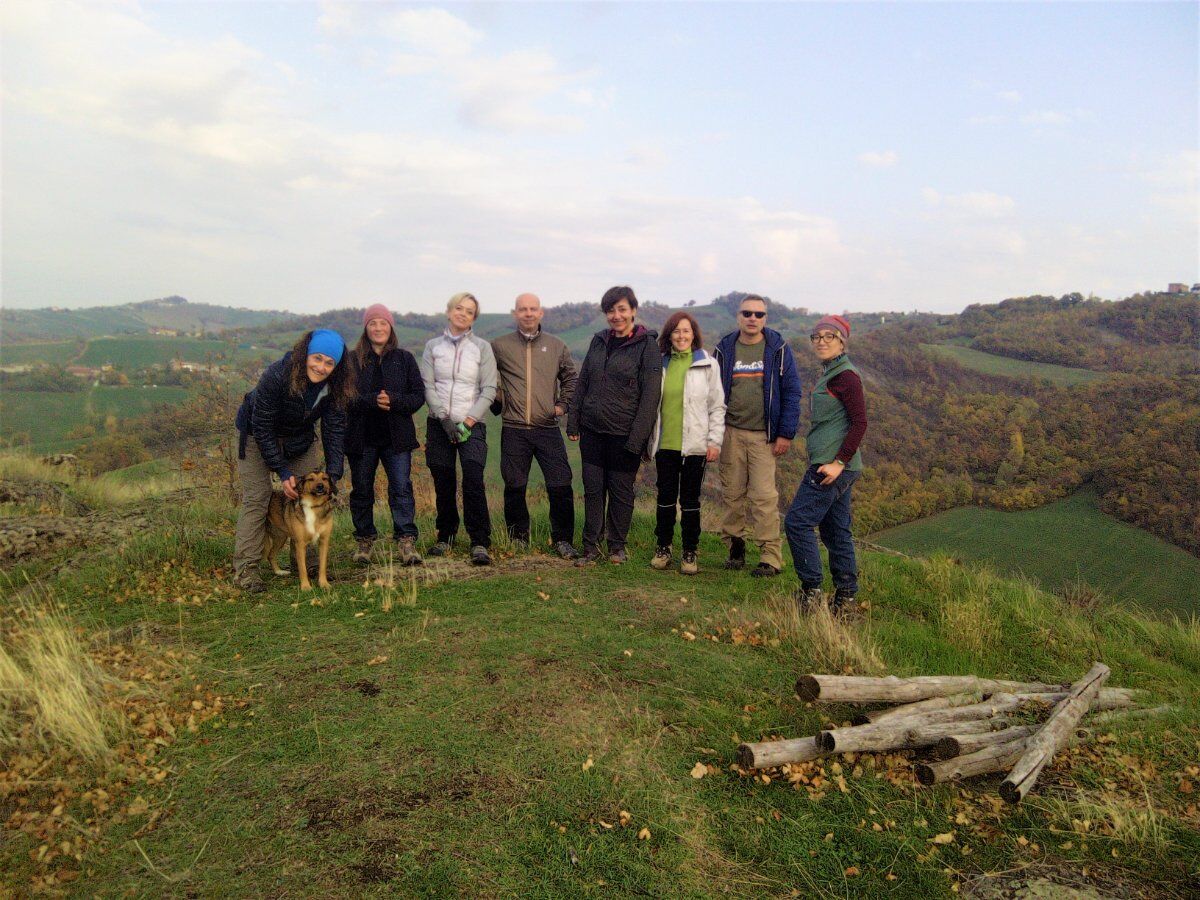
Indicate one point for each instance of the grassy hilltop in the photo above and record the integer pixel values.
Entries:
(534, 730)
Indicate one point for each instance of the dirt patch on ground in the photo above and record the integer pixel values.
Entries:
(1059, 883)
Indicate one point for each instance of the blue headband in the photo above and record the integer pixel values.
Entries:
(328, 343)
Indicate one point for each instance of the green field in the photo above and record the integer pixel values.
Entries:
(136, 352)
(49, 416)
(536, 730)
(991, 364)
(1058, 544)
(57, 353)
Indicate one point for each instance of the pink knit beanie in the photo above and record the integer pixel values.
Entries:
(834, 323)
(378, 311)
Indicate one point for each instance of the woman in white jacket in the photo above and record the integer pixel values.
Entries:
(459, 371)
(686, 437)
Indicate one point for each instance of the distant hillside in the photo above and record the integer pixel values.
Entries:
(169, 313)
(575, 323)
(1157, 333)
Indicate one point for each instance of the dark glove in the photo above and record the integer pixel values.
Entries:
(451, 430)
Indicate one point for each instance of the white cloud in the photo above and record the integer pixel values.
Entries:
(879, 159)
(432, 31)
(1009, 96)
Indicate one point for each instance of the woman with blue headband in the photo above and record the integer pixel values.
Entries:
(277, 433)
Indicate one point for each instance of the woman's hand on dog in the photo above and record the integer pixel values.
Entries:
(289, 488)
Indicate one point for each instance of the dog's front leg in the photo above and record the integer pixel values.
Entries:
(299, 552)
(322, 581)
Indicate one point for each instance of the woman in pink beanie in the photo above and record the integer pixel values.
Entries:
(380, 430)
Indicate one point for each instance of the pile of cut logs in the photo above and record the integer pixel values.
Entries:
(964, 724)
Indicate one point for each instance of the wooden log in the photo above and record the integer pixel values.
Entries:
(930, 735)
(1108, 698)
(862, 689)
(908, 709)
(1118, 715)
(777, 753)
(962, 743)
(893, 734)
(1041, 747)
(995, 758)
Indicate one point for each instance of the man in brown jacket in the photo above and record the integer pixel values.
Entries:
(537, 382)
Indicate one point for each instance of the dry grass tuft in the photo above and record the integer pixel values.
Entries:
(1118, 817)
(51, 689)
(833, 645)
(99, 492)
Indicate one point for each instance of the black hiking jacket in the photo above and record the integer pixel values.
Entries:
(618, 391)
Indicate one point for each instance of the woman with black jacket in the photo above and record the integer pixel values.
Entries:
(380, 430)
(611, 415)
(276, 433)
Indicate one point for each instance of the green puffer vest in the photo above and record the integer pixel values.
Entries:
(829, 420)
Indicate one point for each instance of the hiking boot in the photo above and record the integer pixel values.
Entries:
(662, 558)
(688, 565)
(737, 554)
(406, 549)
(589, 558)
(480, 556)
(251, 584)
(845, 605)
(520, 544)
(566, 550)
(809, 600)
(764, 570)
(617, 557)
(362, 552)
(441, 548)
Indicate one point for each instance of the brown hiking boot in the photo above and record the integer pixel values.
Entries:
(688, 565)
(363, 552)
(406, 549)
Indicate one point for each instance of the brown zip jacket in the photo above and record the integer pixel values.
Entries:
(534, 376)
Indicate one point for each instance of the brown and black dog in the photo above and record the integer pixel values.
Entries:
(305, 521)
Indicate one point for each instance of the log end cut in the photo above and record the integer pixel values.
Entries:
(925, 773)
(946, 748)
(808, 688)
(1009, 792)
(826, 742)
(745, 756)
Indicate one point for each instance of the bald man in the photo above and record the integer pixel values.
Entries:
(537, 382)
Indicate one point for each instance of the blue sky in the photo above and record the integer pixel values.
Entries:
(836, 156)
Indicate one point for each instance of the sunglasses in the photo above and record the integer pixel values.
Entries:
(825, 337)
(748, 313)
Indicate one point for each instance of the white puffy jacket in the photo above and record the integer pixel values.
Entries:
(703, 406)
(459, 376)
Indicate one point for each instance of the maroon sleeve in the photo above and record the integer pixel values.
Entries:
(847, 387)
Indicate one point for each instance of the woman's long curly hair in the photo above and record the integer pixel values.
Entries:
(342, 381)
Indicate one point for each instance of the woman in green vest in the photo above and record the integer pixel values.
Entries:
(839, 421)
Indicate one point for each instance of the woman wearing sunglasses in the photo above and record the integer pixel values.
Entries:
(839, 421)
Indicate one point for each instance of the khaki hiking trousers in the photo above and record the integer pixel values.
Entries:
(748, 488)
(256, 497)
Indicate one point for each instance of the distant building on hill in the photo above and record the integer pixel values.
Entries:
(1177, 287)
(83, 371)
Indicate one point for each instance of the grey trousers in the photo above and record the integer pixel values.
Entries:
(256, 497)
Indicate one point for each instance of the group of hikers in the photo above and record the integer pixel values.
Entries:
(638, 396)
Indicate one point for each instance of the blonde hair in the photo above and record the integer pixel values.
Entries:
(459, 298)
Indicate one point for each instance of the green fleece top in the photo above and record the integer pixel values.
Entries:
(676, 367)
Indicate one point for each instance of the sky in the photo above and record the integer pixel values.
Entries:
(837, 156)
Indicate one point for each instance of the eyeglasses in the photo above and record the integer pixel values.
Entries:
(748, 313)
(825, 337)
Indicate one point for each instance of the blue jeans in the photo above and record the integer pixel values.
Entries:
(826, 508)
(398, 468)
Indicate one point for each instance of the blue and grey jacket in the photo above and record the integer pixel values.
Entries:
(781, 382)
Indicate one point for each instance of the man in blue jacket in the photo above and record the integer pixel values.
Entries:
(762, 393)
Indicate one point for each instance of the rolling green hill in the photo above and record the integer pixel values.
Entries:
(538, 730)
(19, 325)
(137, 352)
(47, 417)
(1061, 544)
(991, 364)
